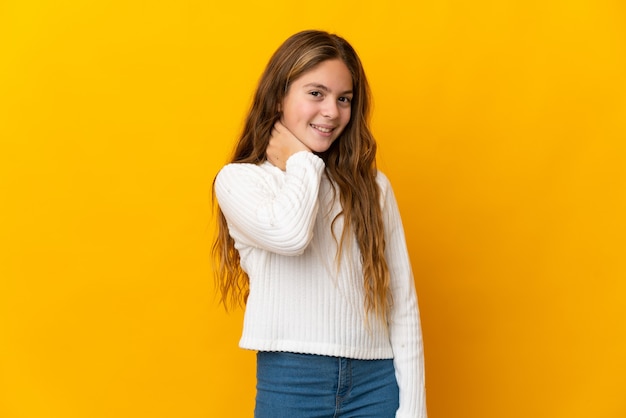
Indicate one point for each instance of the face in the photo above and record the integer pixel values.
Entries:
(317, 106)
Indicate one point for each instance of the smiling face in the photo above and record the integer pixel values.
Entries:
(317, 106)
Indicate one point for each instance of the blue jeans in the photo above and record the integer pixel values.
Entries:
(291, 385)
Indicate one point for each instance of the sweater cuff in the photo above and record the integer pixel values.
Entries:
(303, 159)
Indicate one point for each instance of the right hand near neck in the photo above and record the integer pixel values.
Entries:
(282, 145)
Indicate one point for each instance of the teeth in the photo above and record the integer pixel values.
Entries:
(319, 128)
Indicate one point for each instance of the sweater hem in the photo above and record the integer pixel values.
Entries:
(332, 350)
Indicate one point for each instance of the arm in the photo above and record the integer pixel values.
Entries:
(272, 210)
(404, 322)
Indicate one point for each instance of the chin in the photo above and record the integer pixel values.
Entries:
(320, 148)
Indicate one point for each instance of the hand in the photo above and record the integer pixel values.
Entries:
(283, 144)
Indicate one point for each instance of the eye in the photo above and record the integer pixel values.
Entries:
(345, 100)
(316, 93)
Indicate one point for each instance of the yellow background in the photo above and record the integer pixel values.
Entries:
(502, 125)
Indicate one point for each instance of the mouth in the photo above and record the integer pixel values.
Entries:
(323, 129)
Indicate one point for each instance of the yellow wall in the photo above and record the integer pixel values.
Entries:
(502, 126)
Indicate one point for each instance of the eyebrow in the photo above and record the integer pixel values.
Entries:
(326, 89)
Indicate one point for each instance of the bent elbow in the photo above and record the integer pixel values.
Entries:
(293, 243)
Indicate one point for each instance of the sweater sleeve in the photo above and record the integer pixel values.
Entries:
(273, 211)
(404, 322)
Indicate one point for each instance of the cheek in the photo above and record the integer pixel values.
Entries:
(296, 112)
(347, 116)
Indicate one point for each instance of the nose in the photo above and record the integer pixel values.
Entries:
(330, 109)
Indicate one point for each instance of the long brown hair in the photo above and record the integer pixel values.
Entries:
(350, 164)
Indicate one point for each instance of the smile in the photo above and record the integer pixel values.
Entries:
(322, 129)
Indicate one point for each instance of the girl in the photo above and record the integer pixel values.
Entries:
(310, 238)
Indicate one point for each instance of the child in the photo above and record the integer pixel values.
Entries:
(310, 238)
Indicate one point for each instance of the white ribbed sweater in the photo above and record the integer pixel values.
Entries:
(302, 300)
